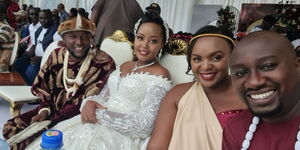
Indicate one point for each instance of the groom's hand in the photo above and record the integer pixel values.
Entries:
(40, 117)
(88, 112)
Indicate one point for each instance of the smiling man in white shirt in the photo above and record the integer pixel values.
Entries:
(29, 64)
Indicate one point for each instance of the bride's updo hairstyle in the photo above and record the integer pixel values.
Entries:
(153, 17)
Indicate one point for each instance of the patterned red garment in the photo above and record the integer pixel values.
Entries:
(49, 87)
(223, 117)
(7, 40)
(12, 7)
(268, 136)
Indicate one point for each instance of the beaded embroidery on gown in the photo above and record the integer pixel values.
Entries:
(132, 104)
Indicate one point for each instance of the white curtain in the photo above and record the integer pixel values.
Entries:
(177, 13)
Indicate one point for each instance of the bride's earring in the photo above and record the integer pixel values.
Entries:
(159, 55)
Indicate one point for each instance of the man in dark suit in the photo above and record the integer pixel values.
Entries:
(29, 64)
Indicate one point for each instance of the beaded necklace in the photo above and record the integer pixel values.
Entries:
(81, 73)
(252, 129)
(136, 67)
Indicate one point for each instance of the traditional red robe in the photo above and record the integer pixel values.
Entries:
(268, 136)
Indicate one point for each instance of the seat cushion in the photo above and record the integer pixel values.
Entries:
(119, 51)
(177, 66)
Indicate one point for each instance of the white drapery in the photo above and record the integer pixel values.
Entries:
(177, 13)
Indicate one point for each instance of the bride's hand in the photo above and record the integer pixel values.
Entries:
(88, 112)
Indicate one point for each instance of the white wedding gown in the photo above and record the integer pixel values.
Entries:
(132, 103)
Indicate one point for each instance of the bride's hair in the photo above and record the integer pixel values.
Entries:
(153, 17)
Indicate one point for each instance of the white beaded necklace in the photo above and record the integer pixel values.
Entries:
(252, 129)
(81, 73)
(136, 67)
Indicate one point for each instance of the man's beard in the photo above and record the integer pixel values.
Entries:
(266, 114)
(80, 57)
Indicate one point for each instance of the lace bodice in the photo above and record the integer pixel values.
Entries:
(132, 102)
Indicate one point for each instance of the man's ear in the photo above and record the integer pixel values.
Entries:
(61, 43)
(93, 43)
(297, 63)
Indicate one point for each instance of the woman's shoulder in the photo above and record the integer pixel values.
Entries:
(126, 66)
(161, 71)
(182, 88)
(178, 91)
(126, 63)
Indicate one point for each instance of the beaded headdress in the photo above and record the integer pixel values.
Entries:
(76, 24)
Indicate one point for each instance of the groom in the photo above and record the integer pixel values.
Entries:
(71, 73)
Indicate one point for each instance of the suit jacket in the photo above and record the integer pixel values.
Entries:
(48, 37)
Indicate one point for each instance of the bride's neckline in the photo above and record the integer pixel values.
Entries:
(120, 74)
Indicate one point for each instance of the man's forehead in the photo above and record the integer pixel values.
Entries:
(77, 33)
(264, 41)
(261, 46)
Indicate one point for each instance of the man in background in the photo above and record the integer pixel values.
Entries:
(268, 22)
(7, 40)
(63, 15)
(10, 6)
(29, 64)
(112, 15)
(21, 23)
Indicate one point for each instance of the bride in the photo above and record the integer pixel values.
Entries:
(128, 105)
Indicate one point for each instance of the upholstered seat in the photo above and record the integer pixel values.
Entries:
(177, 66)
(19, 95)
(118, 47)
